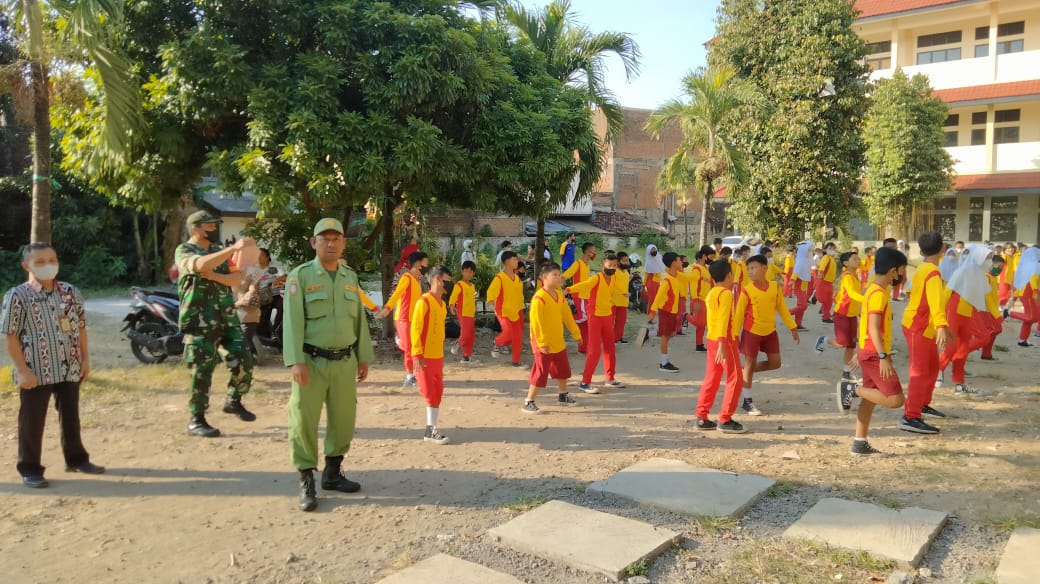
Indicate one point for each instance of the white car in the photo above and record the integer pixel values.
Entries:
(735, 241)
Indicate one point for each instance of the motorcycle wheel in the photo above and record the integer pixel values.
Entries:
(143, 354)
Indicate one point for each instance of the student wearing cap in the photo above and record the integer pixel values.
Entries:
(328, 349)
(208, 320)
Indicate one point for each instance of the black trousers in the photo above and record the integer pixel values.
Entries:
(32, 414)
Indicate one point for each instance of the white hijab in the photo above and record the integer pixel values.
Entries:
(969, 279)
(803, 262)
(1028, 266)
(949, 264)
(654, 264)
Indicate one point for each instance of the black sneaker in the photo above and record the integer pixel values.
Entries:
(917, 426)
(706, 424)
(848, 376)
(731, 427)
(828, 321)
(623, 341)
(530, 408)
(846, 391)
(1025, 344)
(517, 365)
(702, 349)
(750, 408)
(863, 448)
(565, 400)
(990, 358)
(432, 435)
(668, 368)
(930, 411)
(802, 329)
(588, 388)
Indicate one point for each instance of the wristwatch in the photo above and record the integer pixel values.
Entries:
(882, 355)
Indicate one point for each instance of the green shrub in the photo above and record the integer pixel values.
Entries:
(11, 272)
(96, 268)
(647, 237)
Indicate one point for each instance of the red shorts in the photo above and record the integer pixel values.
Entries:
(667, 324)
(699, 313)
(555, 365)
(871, 369)
(751, 344)
(846, 330)
(431, 381)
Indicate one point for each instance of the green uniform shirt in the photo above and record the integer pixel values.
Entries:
(204, 303)
(325, 313)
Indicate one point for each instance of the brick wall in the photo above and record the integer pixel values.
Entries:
(634, 161)
(464, 222)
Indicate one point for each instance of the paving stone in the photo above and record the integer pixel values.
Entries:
(444, 569)
(1020, 563)
(902, 535)
(584, 539)
(677, 486)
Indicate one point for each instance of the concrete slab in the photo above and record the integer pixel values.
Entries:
(902, 535)
(584, 539)
(677, 486)
(444, 569)
(1020, 563)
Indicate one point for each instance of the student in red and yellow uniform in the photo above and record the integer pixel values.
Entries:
(789, 276)
(402, 301)
(993, 318)
(739, 266)
(578, 273)
(759, 303)
(723, 331)
(866, 267)
(880, 384)
(549, 315)
(506, 292)
(667, 304)
(600, 290)
(846, 312)
(621, 299)
(464, 306)
(827, 272)
(965, 306)
(1007, 276)
(927, 332)
(1027, 289)
(427, 336)
(700, 285)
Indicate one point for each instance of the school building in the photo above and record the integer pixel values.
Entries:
(983, 60)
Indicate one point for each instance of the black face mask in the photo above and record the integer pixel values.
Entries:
(686, 264)
(213, 236)
(448, 286)
(624, 267)
(609, 271)
(424, 270)
(653, 253)
(897, 280)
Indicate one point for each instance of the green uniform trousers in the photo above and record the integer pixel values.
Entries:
(202, 355)
(333, 383)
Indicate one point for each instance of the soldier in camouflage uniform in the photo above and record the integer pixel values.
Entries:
(208, 320)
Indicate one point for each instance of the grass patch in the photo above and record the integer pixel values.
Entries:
(715, 525)
(640, 568)
(524, 503)
(869, 494)
(800, 562)
(781, 488)
(1001, 348)
(1010, 523)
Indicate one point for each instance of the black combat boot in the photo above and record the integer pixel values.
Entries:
(308, 499)
(198, 427)
(333, 480)
(233, 405)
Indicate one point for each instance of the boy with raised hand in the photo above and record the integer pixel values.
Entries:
(464, 306)
(927, 332)
(427, 334)
(827, 273)
(621, 297)
(666, 303)
(723, 331)
(880, 381)
(506, 292)
(578, 273)
(700, 285)
(402, 301)
(549, 315)
(600, 290)
(846, 313)
(759, 303)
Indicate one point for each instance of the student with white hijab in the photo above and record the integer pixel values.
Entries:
(1027, 288)
(968, 287)
(468, 255)
(654, 270)
(949, 264)
(803, 262)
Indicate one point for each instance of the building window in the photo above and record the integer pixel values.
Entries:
(978, 117)
(977, 203)
(978, 137)
(975, 227)
(1004, 45)
(946, 204)
(1003, 226)
(1004, 204)
(941, 38)
(879, 55)
(940, 56)
(946, 224)
(952, 120)
(1015, 46)
(1012, 115)
(950, 139)
(879, 47)
(1011, 28)
(1007, 135)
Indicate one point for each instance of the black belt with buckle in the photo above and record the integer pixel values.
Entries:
(330, 354)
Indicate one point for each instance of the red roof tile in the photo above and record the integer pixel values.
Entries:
(870, 8)
(1005, 180)
(992, 91)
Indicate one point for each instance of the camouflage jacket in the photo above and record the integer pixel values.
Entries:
(205, 304)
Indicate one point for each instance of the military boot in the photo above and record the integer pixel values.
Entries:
(333, 480)
(308, 499)
(199, 427)
(233, 405)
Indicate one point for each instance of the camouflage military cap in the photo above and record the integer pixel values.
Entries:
(328, 224)
(202, 217)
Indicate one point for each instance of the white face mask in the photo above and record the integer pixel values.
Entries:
(45, 273)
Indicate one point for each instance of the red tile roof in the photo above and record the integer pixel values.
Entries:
(992, 91)
(870, 8)
(1006, 180)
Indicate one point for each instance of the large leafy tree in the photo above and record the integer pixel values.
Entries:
(81, 34)
(576, 56)
(807, 150)
(707, 117)
(907, 165)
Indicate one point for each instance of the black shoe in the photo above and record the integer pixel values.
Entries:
(846, 392)
(332, 478)
(731, 427)
(812, 300)
(623, 341)
(828, 321)
(702, 349)
(989, 358)
(802, 329)
(1025, 344)
(863, 448)
(930, 411)
(917, 426)
(86, 468)
(706, 424)
(668, 368)
(679, 333)
(35, 482)
(750, 408)
(518, 365)
(233, 405)
(308, 498)
(199, 427)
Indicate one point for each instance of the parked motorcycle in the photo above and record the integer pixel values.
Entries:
(635, 293)
(151, 325)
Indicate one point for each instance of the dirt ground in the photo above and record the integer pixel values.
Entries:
(173, 508)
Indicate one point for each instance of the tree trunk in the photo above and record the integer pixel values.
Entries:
(155, 261)
(41, 189)
(686, 227)
(539, 246)
(386, 256)
(708, 193)
(143, 264)
(174, 232)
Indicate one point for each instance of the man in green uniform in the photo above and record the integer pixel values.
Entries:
(326, 344)
(208, 320)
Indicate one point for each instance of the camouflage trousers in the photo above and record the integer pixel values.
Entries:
(203, 352)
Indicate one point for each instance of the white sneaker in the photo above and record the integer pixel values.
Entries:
(455, 348)
(940, 379)
(614, 383)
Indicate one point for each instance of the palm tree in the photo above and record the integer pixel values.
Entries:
(714, 99)
(85, 32)
(574, 55)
